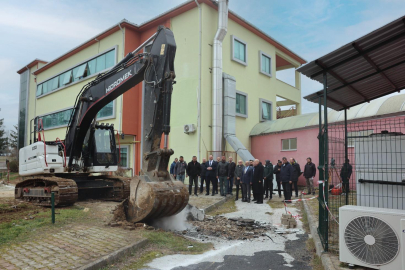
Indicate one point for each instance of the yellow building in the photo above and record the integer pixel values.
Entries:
(252, 58)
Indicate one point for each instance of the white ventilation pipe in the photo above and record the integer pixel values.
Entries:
(217, 75)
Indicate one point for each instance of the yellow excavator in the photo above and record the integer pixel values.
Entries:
(79, 166)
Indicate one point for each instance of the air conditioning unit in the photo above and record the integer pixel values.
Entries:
(372, 237)
(189, 128)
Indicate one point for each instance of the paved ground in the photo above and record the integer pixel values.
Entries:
(68, 249)
(6, 191)
(286, 251)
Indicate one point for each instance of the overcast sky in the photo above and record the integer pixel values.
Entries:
(47, 29)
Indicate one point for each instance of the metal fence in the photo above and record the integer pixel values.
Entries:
(370, 171)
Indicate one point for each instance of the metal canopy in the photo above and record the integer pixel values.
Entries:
(365, 69)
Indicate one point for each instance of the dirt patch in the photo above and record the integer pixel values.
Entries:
(227, 207)
(11, 209)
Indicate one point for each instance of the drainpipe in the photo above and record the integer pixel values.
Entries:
(122, 98)
(217, 99)
(199, 83)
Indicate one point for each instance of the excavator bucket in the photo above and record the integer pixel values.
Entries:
(153, 200)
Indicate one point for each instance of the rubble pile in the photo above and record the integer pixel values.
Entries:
(288, 221)
(232, 228)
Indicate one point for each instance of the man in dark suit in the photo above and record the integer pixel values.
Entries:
(239, 170)
(211, 175)
(257, 181)
(246, 182)
(286, 175)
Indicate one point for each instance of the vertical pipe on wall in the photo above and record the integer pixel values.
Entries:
(199, 81)
(217, 95)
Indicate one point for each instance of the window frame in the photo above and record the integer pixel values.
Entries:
(53, 112)
(261, 53)
(247, 104)
(262, 100)
(77, 65)
(233, 38)
(289, 144)
(109, 117)
(128, 155)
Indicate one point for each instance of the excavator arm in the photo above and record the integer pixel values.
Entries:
(155, 68)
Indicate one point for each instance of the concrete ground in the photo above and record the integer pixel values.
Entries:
(6, 191)
(282, 251)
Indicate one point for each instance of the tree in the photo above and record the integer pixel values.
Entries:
(13, 140)
(3, 141)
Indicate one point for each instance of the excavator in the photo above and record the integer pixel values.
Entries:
(81, 165)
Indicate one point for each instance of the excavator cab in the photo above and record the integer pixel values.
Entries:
(99, 148)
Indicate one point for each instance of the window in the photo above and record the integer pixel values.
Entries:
(265, 110)
(147, 48)
(241, 104)
(124, 153)
(55, 120)
(93, 66)
(106, 111)
(354, 136)
(289, 144)
(265, 64)
(239, 50)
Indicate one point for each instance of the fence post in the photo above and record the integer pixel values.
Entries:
(326, 156)
(53, 206)
(345, 186)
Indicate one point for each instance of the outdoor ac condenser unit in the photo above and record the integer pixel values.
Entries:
(372, 237)
(190, 128)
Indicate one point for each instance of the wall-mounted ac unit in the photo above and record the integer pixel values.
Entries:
(372, 237)
(189, 128)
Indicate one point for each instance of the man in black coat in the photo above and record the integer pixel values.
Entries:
(193, 170)
(277, 170)
(246, 182)
(296, 174)
(309, 174)
(232, 166)
(268, 179)
(203, 175)
(345, 174)
(211, 175)
(239, 171)
(286, 173)
(257, 181)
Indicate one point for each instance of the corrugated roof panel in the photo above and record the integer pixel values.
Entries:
(359, 64)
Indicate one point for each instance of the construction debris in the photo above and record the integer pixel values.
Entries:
(288, 221)
(230, 229)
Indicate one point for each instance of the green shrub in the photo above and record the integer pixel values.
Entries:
(13, 165)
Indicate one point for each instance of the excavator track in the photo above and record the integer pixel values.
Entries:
(116, 188)
(37, 190)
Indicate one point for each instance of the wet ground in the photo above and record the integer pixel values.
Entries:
(265, 250)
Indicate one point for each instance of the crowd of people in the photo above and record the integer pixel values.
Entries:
(250, 177)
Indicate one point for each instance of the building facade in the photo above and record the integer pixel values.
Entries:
(249, 55)
(297, 136)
